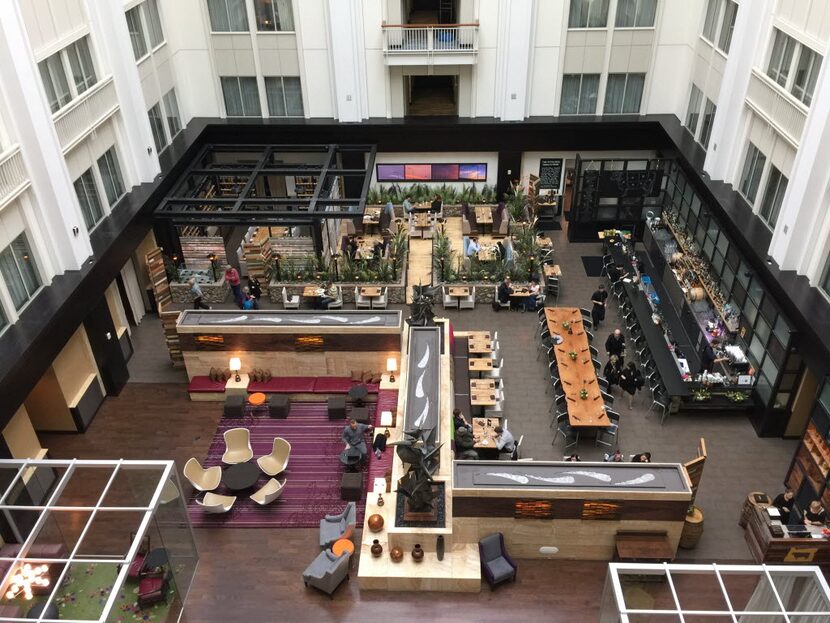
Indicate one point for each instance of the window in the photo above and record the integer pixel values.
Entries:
(54, 81)
(274, 15)
(19, 270)
(588, 14)
(88, 198)
(151, 13)
(227, 15)
(773, 196)
(136, 29)
(794, 66)
(171, 108)
(285, 99)
(727, 26)
(623, 93)
(635, 13)
(825, 279)
(157, 126)
(710, 22)
(579, 94)
(80, 60)
(241, 97)
(4, 322)
(693, 112)
(708, 119)
(111, 176)
(751, 175)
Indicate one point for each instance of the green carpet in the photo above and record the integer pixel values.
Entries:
(85, 590)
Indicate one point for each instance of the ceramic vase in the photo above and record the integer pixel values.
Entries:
(377, 548)
(417, 553)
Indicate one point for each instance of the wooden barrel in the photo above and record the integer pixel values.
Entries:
(692, 529)
(697, 294)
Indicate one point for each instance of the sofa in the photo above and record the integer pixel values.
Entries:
(327, 571)
(202, 388)
(341, 525)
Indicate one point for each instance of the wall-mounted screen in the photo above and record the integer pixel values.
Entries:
(444, 172)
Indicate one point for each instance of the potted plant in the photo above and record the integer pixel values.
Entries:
(573, 355)
(583, 394)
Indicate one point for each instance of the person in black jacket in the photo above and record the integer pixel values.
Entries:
(598, 301)
(504, 291)
(784, 503)
(631, 382)
(612, 372)
(615, 345)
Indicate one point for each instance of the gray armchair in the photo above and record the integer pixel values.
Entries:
(340, 526)
(496, 564)
(327, 571)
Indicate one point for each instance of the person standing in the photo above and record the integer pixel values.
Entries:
(631, 382)
(255, 290)
(615, 345)
(598, 299)
(407, 205)
(784, 503)
(247, 300)
(196, 291)
(612, 372)
(353, 437)
(232, 277)
(387, 216)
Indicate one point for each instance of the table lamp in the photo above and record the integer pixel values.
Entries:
(235, 365)
(386, 420)
(391, 368)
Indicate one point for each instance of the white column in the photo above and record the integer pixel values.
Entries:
(348, 59)
(113, 46)
(726, 140)
(514, 58)
(29, 113)
(801, 233)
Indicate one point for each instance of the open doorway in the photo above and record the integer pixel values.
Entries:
(431, 11)
(432, 96)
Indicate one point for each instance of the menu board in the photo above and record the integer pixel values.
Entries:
(550, 173)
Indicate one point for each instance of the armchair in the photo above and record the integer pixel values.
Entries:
(137, 564)
(496, 564)
(152, 589)
(334, 527)
(327, 572)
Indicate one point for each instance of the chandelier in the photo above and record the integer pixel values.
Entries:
(25, 578)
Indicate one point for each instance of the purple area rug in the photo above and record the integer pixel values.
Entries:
(313, 475)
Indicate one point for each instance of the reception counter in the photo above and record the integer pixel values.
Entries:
(784, 546)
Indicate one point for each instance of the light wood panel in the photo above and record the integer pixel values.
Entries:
(290, 364)
(47, 407)
(419, 265)
(116, 307)
(20, 436)
(75, 368)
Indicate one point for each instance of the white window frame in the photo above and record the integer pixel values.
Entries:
(210, 22)
(239, 87)
(776, 193)
(63, 56)
(163, 122)
(12, 318)
(752, 201)
(698, 112)
(719, 15)
(166, 111)
(282, 82)
(100, 177)
(99, 189)
(274, 18)
(141, 35)
(792, 66)
(579, 97)
(637, 12)
(625, 90)
(588, 17)
(145, 14)
(704, 140)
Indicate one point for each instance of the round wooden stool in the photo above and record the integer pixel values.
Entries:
(340, 546)
(257, 399)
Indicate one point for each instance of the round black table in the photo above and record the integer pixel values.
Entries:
(358, 393)
(155, 558)
(241, 476)
(350, 457)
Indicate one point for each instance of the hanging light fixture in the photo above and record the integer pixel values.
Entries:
(26, 577)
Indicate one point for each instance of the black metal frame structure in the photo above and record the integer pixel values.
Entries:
(324, 162)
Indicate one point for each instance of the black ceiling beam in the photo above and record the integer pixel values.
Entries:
(251, 180)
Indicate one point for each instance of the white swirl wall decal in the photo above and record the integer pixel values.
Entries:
(559, 480)
(335, 318)
(523, 480)
(423, 417)
(424, 359)
(369, 320)
(307, 320)
(274, 320)
(234, 319)
(597, 475)
(419, 386)
(648, 477)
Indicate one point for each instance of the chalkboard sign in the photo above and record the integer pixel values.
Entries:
(550, 173)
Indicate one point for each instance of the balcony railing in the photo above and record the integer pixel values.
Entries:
(13, 176)
(782, 110)
(90, 110)
(430, 39)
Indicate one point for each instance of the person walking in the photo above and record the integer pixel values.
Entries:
(612, 372)
(615, 345)
(232, 277)
(196, 291)
(631, 382)
(598, 299)
(254, 290)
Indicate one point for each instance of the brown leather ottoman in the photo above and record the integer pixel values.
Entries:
(351, 486)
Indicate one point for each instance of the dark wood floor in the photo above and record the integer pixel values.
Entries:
(255, 575)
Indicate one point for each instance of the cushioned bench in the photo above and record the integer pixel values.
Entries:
(202, 388)
(284, 385)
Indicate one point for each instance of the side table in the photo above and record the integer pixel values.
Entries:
(239, 388)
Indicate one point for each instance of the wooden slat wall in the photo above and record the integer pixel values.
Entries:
(161, 290)
(196, 249)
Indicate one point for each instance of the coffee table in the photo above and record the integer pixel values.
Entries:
(350, 457)
(241, 476)
(155, 558)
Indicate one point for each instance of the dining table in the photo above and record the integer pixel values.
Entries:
(586, 407)
(552, 270)
(479, 364)
(484, 433)
(479, 343)
(484, 216)
(482, 393)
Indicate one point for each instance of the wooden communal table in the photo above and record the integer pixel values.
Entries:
(552, 270)
(421, 219)
(479, 364)
(487, 254)
(578, 374)
(484, 433)
(544, 242)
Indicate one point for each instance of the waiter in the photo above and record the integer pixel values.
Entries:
(598, 299)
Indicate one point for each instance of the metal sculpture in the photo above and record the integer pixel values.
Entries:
(423, 298)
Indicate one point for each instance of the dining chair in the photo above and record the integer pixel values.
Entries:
(215, 503)
(380, 302)
(469, 301)
(237, 446)
(360, 301)
(276, 462)
(609, 431)
(269, 492)
(202, 479)
(290, 301)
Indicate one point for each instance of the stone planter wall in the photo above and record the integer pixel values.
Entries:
(211, 292)
(449, 209)
(395, 291)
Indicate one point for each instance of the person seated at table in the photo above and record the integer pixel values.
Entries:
(572, 458)
(499, 213)
(353, 437)
(504, 291)
(784, 503)
(459, 421)
(329, 295)
(815, 515)
(643, 457)
(464, 443)
(612, 372)
(248, 302)
(504, 440)
(616, 272)
(531, 302)
(615, 345)
(437, 204)
(407, 205)
(473, 247)
(377, 251)
(617, 457)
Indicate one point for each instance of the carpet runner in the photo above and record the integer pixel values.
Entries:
(313, 476)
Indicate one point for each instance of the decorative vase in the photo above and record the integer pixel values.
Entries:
(375, 523)
(396, 554)
(377, 548)
(380, 499)
(439, 547)
(417, 553)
